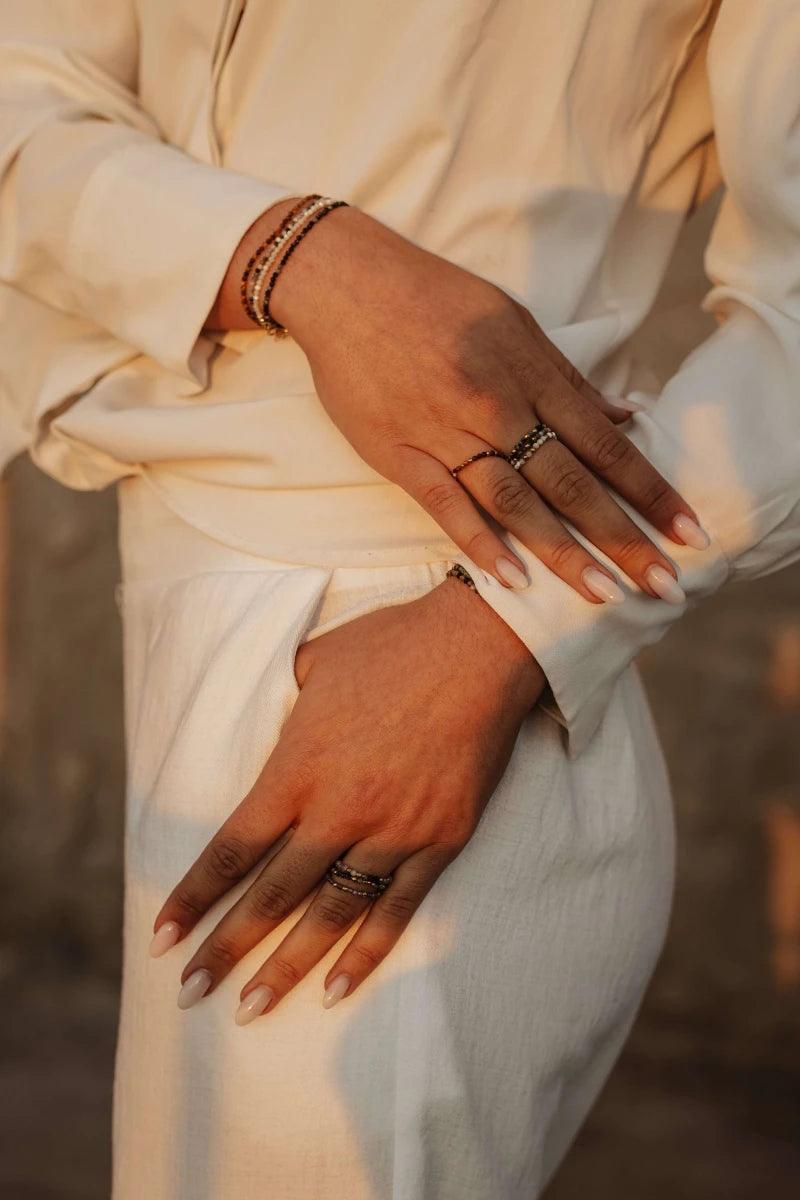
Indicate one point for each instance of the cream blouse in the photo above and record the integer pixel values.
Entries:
(553, 148)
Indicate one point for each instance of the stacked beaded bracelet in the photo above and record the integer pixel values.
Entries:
(268, 260)
(459, 572)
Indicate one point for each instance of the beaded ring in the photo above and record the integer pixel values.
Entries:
(340, 868)
(529, 443)
(474, 458)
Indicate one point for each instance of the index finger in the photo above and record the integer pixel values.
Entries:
(254, 829)
(613, 456)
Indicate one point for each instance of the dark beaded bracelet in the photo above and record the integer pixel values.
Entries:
(273, 237)
(459, 572)
(267, 322)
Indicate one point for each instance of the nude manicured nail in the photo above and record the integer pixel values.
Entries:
(690, 532)
(336, 990)
(195, 988)
(665, 585)
(603, 586)
(511, 573)
(253, 1004)
(164, 938)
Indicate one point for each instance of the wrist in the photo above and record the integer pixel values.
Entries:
(227, 311)
(515, 667)
(305, 291)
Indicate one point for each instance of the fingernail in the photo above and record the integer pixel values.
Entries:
(195, 988)
(254, 1004)
(336, 990)
(602, 586)
(690, 532)
(623, 402)
(511, 573)
(164, 938)
(665, 585)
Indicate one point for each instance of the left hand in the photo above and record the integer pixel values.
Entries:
(405, 722)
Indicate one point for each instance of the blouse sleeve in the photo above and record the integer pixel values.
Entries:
(117, 240)
(726, 427)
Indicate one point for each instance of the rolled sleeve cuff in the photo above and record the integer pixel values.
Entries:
(150, 243)
(582, 648)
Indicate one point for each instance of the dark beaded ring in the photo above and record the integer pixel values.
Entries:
(474, 458)
(376, 883)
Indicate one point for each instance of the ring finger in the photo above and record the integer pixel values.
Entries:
(517, 506)
(331, 912)
(275, 893)
(575, 492)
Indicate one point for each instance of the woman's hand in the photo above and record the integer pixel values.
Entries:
(405, 722)
(422, 364)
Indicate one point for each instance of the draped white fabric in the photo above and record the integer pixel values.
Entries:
(462, 1067)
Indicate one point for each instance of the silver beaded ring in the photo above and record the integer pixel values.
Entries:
(529, 443)
(379, 883)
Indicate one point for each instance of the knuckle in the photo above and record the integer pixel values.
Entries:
(611, 449)
(474, 544)
(572, 489)
(441, 497)
(657, 495)
(398, 906)
(562, 553)
(227, 858)
(189, 902)
(629, 548)
(334, 912)
(511, 496)
(288, 971)
(368, 956)
(271, 901)
(224, 950)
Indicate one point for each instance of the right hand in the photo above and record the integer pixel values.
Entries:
(420, 364)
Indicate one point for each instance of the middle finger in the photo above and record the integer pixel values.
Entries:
(575, 492)
(329, 915)
(275, 893)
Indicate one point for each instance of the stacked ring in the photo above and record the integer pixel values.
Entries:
(379, 883)
(529, 443)
(519, 453)
(474, 458)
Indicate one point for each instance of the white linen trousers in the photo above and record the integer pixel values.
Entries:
(464, 1065)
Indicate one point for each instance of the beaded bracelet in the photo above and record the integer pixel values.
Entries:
(264, 319)
(459, 572)
(287, 220)
(268, 258)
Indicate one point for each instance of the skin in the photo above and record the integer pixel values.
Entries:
(420, 364)
(397, 783)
